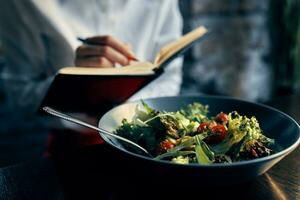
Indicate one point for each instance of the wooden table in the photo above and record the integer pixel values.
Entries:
(88, 173)
(283, 180)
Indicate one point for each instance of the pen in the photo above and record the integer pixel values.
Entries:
(82, 40)
(85, 41)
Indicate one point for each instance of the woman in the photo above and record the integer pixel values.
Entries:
(40, 37)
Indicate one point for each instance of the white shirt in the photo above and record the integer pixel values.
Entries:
(39, 38)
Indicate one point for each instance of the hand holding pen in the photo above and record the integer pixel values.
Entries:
(103, 51)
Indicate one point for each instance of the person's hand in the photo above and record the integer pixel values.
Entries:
(103, 51)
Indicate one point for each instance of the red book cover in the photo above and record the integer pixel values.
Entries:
(93, 94)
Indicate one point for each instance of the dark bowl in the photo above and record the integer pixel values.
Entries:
(274, 123)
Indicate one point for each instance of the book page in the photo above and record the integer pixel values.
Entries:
(141, 68)
(138, 68)
(172, 48)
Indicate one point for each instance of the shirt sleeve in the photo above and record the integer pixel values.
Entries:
(34, 50)
(25, 74)
(168, 28)
(22, 85)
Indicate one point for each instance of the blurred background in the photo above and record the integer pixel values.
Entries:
(253, 53)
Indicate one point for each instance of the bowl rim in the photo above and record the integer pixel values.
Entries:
(281, 153)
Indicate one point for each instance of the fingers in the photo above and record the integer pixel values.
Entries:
(101, 51)
(129, 46)
(94, 49)
(95, 61)
(113, 43)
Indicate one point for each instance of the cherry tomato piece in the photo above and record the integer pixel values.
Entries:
(219, 133)
(202, 127)
(164, 146)
(222, 118)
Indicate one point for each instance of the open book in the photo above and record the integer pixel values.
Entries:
(163, 57)
(98, 89)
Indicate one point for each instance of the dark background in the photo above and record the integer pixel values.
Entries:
(253, 52)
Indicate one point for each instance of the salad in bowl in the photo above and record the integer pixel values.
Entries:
(190, 135)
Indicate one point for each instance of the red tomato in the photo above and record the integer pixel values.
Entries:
(222, 118)
(202, 127)
(212, 124)
(164, 146)
(219, 133)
